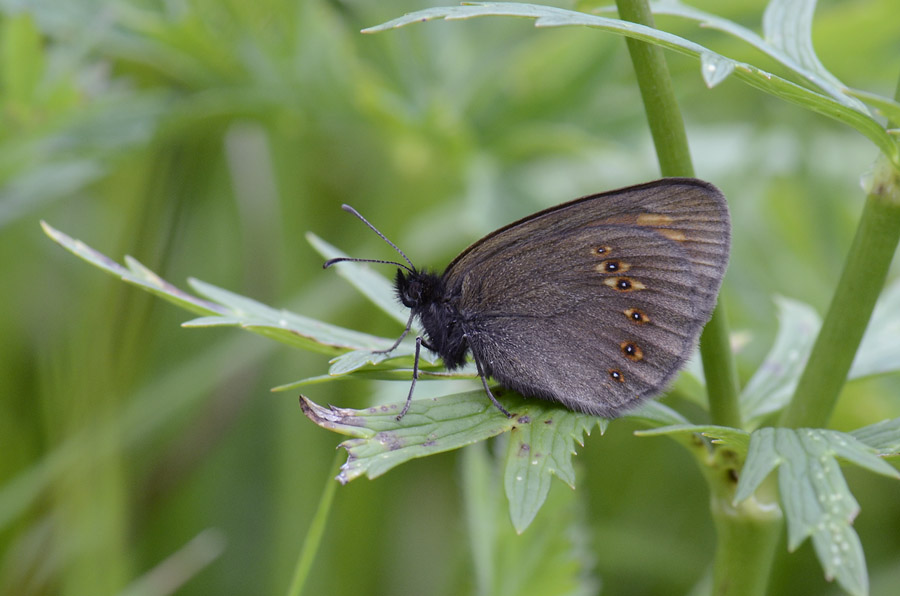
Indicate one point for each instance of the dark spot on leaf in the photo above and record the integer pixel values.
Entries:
(524, 448)
(548, 421)
(733, 475)
(429, 443)
(728, 455)
(390, 440)
(524, 420)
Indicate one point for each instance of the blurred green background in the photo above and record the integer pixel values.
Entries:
(205, 137)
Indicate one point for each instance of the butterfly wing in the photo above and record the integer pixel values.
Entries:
(595, 303)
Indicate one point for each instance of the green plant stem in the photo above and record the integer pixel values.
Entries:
(746, 535)
(865, 271)
(720, 371)
(670, 140)
(316, 529)
(658, 95)
(861, 281)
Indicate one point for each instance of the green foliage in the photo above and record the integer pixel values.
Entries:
(784, 23)
(558, 562)
(814, 494)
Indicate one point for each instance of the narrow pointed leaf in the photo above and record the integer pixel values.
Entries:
(351, 361)
(882, 436)
(814, 73)
(385, 371)
(136, 274)
(226, 308)
(734, 438)
(884, 106)
(838, 106)
(370, 360)
(653, 413)
(787, 26)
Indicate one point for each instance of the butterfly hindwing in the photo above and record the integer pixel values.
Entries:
(598, 302)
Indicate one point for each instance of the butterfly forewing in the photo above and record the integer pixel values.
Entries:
(598, 302)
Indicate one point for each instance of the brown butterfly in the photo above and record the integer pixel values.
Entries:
(596, 303)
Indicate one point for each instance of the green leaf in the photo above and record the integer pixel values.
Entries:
(559, 560)
(537, 448)
(358, 359)
(387, 372)
(773, 383)
(882, 436)
(135, 274)
(542, 438)
(225, 308)
(845, 109)
(734, 438)
(381, 442)
(787, 25)
(788, 40)
(879, 351)
(351, 361)
(815, 497)
(653, 413)
(884, 106)
(281, 325)
(431, 426)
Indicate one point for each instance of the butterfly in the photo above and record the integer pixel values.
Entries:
(595, 304)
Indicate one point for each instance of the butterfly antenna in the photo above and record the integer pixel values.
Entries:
(353, 211)
(331, 262)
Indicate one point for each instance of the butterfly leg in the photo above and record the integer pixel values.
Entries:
(399, 339)
(488, 390)
(419, 342)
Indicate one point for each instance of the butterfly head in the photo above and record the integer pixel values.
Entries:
(417, 289)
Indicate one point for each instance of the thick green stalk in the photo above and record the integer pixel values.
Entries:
(746, 535)
(658, 95)
(720, 371)
(861, 281)
(670, 140)
(865, 270)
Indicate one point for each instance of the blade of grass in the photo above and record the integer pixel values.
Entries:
(316, 530)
